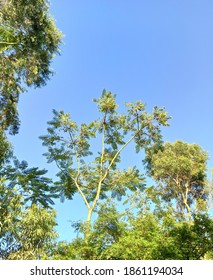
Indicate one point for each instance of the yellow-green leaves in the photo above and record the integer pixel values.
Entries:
(106, 103)
(7, 38)
(35, 234)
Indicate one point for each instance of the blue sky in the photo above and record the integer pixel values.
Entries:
(159, 52)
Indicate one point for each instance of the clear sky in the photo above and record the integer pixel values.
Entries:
(160, 52)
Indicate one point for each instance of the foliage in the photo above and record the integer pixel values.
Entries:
(35, 234)
(92, 175)
(179, 169)
(25, 233)
(30, 182)
(145, 236)
(5, 148)
(29, 40)
(150, 238)
(194, 240)
(106, 230)
(10, 205)
(7, 38)
(26, 225)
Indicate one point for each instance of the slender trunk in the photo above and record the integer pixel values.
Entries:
(185, 201)
(88, 223)
(188, 211)
(103, 176)
(90, 212)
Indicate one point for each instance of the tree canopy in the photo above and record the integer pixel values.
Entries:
(180, 171)
(144, 236)
(29, 39)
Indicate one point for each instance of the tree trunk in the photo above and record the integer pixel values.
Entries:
(88, 223)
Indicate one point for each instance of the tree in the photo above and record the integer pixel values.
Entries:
(35, 234)
(143, 239)
(94, 175)
(29, 40)
(25, 232)
(179, 169)
(26, 221)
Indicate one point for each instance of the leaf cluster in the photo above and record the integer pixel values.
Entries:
(29, 182)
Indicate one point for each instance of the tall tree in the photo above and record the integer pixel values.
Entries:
(180, 171)
(94, 173)
(29, 40)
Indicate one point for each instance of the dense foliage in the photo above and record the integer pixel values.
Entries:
(145, 236)
(29, 40)
(26, 219)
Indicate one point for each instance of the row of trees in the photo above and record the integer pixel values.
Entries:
(169, 220)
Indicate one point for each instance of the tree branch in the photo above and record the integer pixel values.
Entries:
(78, 172)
